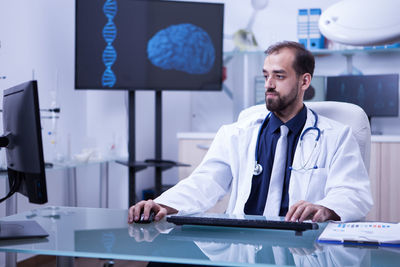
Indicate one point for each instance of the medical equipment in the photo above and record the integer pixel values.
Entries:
(377, 95)
(258, 168)
(359, 22)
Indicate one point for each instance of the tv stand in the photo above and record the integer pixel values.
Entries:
(158, 163)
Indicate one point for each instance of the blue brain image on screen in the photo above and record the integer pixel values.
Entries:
(183, 47)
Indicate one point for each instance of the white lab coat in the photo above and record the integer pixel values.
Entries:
(340, 183)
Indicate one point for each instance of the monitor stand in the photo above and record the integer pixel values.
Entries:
(21, 230)
(18, 229)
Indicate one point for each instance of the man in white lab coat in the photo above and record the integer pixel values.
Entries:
(326, 182)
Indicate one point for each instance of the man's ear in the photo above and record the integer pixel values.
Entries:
(305, 81)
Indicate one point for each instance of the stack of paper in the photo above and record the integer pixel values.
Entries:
(362, 233)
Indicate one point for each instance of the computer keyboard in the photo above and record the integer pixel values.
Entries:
(246, 223)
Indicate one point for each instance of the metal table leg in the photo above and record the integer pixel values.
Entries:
(72, 194)
(11, 208)
(11, 259)
(104, 184)
(63, 261)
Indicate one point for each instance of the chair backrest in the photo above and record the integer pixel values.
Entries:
(346, 113)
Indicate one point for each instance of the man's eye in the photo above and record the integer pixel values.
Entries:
(280, 77)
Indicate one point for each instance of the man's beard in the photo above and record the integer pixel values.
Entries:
(281, 103)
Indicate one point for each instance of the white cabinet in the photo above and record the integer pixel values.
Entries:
(192, 149)
(374, 174)
(390, 182)
(385, 179)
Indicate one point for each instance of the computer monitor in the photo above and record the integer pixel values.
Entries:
(148, 45)
(24, 151)
(22, 140)
(378, 95)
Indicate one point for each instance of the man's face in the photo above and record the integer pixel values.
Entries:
(281, 82)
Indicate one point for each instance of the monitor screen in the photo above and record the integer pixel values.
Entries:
(24, 150)
(140, 44)
(378, 95)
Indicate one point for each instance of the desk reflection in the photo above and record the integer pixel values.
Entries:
(250, 246)
(250, 254)
(223, 245)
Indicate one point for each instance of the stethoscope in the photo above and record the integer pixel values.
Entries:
(258, 168)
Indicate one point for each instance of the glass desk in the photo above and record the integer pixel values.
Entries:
(104, 233)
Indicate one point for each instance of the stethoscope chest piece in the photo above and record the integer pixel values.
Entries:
(258, 168)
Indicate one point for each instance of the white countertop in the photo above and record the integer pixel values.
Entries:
(195, 135)
(385, 138)
(210, 135)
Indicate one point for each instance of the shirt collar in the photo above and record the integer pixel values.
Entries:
(295, 124)
(274, 123)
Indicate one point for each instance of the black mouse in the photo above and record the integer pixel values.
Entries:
(149, 220)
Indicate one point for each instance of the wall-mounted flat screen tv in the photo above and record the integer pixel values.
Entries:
(148, 44)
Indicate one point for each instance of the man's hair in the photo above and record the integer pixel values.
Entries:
(304, 61)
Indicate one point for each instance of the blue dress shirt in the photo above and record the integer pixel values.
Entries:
(269, 136)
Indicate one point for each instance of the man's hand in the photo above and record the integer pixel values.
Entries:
(303, 210)
(147, 206)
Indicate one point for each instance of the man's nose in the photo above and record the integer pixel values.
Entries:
(269, 83)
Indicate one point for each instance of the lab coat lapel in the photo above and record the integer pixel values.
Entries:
(249, 144)
(300, 179)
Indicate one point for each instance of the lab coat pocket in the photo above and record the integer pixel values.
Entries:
(317, 185)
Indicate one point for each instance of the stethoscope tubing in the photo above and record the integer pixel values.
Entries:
(257, 167)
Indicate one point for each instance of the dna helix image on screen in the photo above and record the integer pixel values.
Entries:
(184, 47)
(109, 34)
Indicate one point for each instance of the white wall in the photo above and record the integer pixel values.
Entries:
(39, 36)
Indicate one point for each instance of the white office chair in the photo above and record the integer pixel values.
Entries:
(351, 115)
(346, 113)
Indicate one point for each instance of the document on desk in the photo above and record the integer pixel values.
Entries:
(362, 233)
